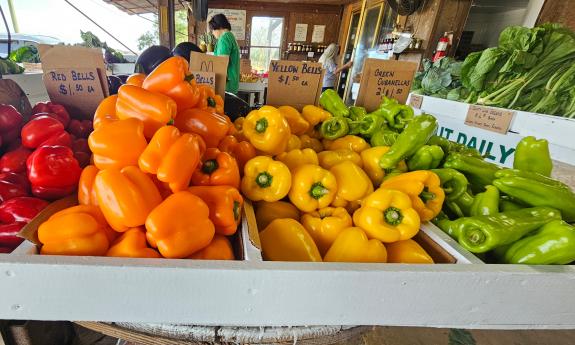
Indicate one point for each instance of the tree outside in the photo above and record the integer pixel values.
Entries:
(152, 37)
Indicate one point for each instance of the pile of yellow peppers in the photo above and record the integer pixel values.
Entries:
(323, 200)
(155, 189)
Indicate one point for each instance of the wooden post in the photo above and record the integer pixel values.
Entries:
(163, 23)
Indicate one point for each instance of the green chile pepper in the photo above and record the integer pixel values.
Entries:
(357, 113)
(453, 183)
(427, 157)
(479, 172)
(383, 137)
(397, 116)
(461, 207)
(413, 137)
(533, 155)
(330, 101)
(370, 124)
(334, 127)
(486, 203)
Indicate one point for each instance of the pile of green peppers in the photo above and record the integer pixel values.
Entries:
(515, 216)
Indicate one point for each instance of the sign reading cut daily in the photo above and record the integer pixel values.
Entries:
(294, 82)
(387, 78)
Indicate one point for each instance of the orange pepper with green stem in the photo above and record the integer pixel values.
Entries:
(117, 144)
(173, 79)
(225, 204)
(172, 156)
(180, 226)
(209, 100)
(219, 249)
(126, 196)
(132, 244)
(242, 151)
(217, 169)
(78, 230)
(424, 189)
(210, 126)
(86, 191)
(153, 109)
(106, 112)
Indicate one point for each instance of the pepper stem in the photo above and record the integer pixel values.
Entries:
(475, 236)
(426, 195)
(211, 102)
(264, 179)
(236, 210)
(261, 125)
(189, 77)
(393, 216)
(317, 190)
(210, 166)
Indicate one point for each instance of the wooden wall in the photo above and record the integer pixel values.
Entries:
(558, 11)
(328, 15)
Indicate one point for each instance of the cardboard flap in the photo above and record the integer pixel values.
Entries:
(294, 83)
(200, 62)
(30, 231)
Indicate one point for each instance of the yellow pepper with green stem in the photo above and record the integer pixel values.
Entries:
(265, 179)
(325, 224)
(312, 188)
(267, 130)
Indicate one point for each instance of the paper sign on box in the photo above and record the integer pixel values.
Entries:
(492, 119)
(205, 78)
(387, 78)
(74, 77)
(294, 83)
(215, 64)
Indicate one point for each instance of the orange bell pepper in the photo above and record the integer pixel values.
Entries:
(217, 169)
(172, 78)
(86, 191)
(117, 144)
(219, 249)
(136, 79)
(132, 244)
(180, 226)
(210, 126)
(153, 109)
(172, 156)
(242, 151)
(126, 196)
(106, 112)
(78, 230)
(225, 203)
(209, 100)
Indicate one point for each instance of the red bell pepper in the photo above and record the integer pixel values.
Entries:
(8, 235)
(21, 209)
(80, 129)
(81, 145)
(15, 161)
(11, 122)
(60, 139)
(52, 115)
(6, 250)
(40, 129)
(53, 172)
(83, 158)
(13, 185)
(49, 107)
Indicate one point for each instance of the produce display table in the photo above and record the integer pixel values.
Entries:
(253, 89)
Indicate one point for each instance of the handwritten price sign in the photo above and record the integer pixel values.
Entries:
(491, 119)
(79, 90)
(294, 83)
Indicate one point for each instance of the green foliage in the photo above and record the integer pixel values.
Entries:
(92, 41)
(152, 37)
(25, 54)
(438, 78)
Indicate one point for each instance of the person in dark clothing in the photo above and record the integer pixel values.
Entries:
(184, 49)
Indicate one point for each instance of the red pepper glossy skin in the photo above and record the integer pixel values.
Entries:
(21, 209)
(13, 185)
(49, 107)
(11, 122)
(64, 122)
(15, 161)
(53, 172)
(60, 139)
(40, 129)
(8, 234)
(80, 129)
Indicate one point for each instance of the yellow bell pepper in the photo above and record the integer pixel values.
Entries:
(352, 245)
(353, 206)
(349, 142)
(338, 201)
(312, 188)
(328, 159)
(296, 158)
(180, 226)
(297, 123)
(132, 244)
(314, 115)
(266, 212)
(267, 130)
(126, 197)
(325, 224)
(287, 240)
(172, 156)
(117, 144)
(387, 215)
(370, 159)
(265, 179)
(407, 252)
(308, 142)
(294, 143)
(312, 132)
(352, 182)
(78, 230)
(423, 187)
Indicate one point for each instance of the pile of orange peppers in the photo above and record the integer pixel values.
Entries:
(164, 177)
(324, 200)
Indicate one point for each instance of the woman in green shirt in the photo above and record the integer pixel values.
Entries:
(227, 46)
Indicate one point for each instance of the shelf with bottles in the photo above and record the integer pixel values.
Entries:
(304, 48)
